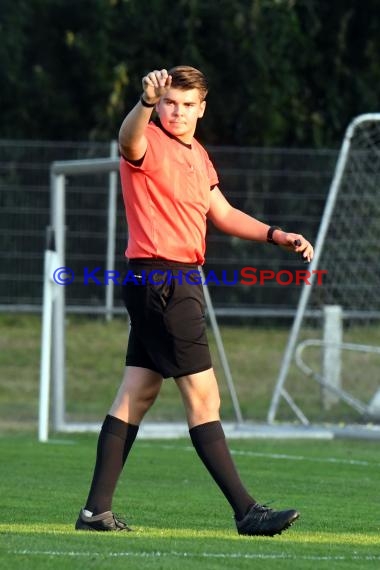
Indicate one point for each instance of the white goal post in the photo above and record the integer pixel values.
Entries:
(347, 247)
(53, 358)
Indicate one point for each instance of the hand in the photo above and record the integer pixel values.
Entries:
(155, 84)
(296, 243)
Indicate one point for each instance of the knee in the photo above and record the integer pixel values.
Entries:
(145, 400)
(204, 409)
(200, 394)
(131, 403)
(212, 404)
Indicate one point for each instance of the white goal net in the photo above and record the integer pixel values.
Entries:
(334, 344)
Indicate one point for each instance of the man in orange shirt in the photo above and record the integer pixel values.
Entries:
(170, 189)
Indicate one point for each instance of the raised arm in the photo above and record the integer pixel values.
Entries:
(132, 141)
(232, 221)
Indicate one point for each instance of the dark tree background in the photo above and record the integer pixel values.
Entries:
(287, 73)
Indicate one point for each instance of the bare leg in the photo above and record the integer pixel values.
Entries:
(200, 395)
(137, 393)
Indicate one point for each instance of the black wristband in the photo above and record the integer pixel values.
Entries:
(145, 104)
(271, 230)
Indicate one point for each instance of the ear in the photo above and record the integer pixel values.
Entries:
(202, 109)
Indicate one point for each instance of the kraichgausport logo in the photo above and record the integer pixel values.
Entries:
(248, 276)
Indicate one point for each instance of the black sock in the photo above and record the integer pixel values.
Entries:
(115, 441)
(210, 443)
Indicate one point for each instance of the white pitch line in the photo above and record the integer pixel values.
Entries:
(304, 458)
(281, 456)
(175, 554)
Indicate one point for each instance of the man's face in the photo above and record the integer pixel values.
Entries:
(179, 112)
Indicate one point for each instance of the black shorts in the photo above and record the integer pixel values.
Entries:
(166, 307)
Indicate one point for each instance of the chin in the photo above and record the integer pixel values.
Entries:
(176, 131)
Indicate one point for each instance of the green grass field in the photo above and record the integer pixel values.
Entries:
(179, 517)
(95, 358)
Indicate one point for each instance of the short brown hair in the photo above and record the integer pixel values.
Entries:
(185, 77)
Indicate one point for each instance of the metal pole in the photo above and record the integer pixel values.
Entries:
(58, 191)
(45, 364)
(111, 232)
(221, 351)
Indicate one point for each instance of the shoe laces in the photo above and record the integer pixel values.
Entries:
(263, 510)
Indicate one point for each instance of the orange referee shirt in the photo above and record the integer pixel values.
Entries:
(167, 198)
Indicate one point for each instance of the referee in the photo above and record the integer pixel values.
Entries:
(170, 189)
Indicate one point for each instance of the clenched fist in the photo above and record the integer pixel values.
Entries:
(155, 84)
